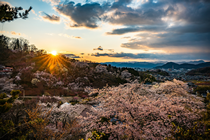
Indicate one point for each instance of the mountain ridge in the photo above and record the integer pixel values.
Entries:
(150, 65)
(184, 65)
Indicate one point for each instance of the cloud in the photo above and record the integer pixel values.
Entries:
(121, 12)
(33, 12)
(179, 25)
(192, 41)
(51, 18)
(72, 55)
(135, 29)
(86, 15)
(14, 33)
(3, 32)
(99, 48)
(159, 56)
(65, 35)
(53, 2)
(190, 28)
(111, 50)
(68, 36)
(76, 37)
(126, 37)
(100, 54)
(163, 24)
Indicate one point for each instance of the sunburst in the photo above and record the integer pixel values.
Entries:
(54, 53)
(52, 62)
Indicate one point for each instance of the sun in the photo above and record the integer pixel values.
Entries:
(54, 53)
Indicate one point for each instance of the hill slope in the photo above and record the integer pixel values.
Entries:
(201, 71)
(184, 66)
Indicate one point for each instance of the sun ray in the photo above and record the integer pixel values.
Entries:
(54, 53)
(52, 63)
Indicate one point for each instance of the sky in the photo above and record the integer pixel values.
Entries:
(116, 30)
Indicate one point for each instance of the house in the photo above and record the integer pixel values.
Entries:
(5, 71)
(8, 69)
(2, 67)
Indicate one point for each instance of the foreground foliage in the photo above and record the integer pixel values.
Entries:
(135, 111)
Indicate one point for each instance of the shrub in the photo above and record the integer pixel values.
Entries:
(39, 125)
(4, 108)
(3, 101)
(3, 95)
(96, 135)
(11, 100)
(46, 94)
(15, 93)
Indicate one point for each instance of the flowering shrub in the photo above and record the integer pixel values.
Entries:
(34, 81)
(48, 79)
(41, 126)
(6, 85)
(25, 75)
(136, 111)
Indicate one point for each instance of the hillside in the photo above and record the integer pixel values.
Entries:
(184, 66)
(79, 99)
(201, 71)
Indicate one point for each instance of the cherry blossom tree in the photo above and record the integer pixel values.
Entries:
(137, 111)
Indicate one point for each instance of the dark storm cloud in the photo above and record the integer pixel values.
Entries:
(193, 12)
(86, 15)
(148, 13)
(99, 48)
(100, 54)
(135, 29)
(137, 17)
(72, 55)
(191, 28)
(166, 24)
(176, 56)
(51, 18)
(190, 12)
(175, 40)
(120, 3)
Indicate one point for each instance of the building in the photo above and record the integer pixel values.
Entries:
(5, 71)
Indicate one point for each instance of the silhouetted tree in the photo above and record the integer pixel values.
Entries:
(20, 44)
(4, 51)
(8, 13)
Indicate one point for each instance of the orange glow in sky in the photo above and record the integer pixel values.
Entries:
(54, 53)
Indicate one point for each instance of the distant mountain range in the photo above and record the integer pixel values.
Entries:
(149, 65)
(173, 65)
(191, 62)
(146, 65)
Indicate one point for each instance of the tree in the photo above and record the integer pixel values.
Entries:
(8, 13)
(136, 111)
(4, 51)
(20, 44)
